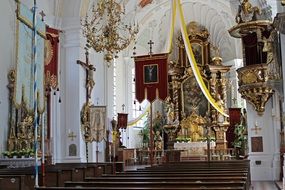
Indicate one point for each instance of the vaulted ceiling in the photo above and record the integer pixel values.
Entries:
(154, 20)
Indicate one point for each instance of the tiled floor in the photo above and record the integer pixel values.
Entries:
(263, 185)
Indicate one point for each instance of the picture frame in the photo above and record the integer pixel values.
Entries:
(150, 73)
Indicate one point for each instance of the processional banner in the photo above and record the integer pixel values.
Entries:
(51, 57)
(24, 85)
(97, 123)
(151, 77)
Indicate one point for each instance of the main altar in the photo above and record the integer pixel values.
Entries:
(193, 125)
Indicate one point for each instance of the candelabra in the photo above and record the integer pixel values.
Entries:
(105, 31)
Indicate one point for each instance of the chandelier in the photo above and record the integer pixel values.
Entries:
(105, 31)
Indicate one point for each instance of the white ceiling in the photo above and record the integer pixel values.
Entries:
(154, 20)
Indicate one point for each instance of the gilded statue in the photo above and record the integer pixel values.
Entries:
(247, 12)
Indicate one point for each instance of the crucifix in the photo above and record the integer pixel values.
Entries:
(150, 43)
(42, 15)
(71, 135)
(256, 128)
(89, 68)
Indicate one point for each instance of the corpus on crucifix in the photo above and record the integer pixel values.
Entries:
(89, 68)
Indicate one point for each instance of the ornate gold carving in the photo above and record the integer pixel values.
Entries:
(246, 12)
(195, 30)
(85, 122)
(253, 85)
(192, 126)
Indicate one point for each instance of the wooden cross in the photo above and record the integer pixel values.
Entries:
(89, 68)
(71, 135)
(42, 15)
(256, 128)
(150, 43)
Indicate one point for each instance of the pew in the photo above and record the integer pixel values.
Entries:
(138, 188)
(174, 175)
(152, 184)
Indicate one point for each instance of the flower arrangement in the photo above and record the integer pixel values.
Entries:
(19, 153)
(183, 139)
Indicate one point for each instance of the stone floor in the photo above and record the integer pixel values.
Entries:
(263, 185)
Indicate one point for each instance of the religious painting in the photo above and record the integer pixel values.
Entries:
(256, 144)
(193, 98)
(150, 73)
(198, 53)
(122, 120)
(98, 122)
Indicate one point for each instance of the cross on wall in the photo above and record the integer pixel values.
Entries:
(71, 135)
(256, 128)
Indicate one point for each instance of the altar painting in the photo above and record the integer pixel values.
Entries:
(193, 98)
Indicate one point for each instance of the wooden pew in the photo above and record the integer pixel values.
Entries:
(149, 184)
(138, 188)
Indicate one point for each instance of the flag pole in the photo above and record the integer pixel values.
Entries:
(43, 150)
(34, 53)
(151, 137)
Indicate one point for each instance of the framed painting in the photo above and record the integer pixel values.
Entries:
(98, 122)
(150, 73)
(198, 53)
(193, 98)
(256, 144)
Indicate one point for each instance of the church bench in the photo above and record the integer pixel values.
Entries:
(173, 184)
(138, 188)
(16, 182)
(167, 178)
(183, 174)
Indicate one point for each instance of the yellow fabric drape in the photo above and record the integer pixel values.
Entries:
(192, 60)
(134, 122)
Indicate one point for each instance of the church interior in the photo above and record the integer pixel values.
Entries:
(142, 94)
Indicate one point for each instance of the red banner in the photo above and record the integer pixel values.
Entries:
(151, 77)
(51, 57)
(122, 120)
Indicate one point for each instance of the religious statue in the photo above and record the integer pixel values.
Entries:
(246, 12)
(90, 82)
(158, 141)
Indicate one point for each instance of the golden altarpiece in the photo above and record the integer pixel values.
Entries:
(192, 115)
(21, 139)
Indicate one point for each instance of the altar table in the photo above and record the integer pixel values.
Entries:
(193, 148)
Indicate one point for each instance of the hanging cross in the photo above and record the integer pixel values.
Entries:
(42, 15)
(71, 135)
(89, 68)
(150, 43)
(256, 128)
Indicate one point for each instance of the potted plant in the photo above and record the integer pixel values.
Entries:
(7, 154)
(240, 141)
(144, 133)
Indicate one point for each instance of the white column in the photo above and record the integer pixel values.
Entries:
(72, 93)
